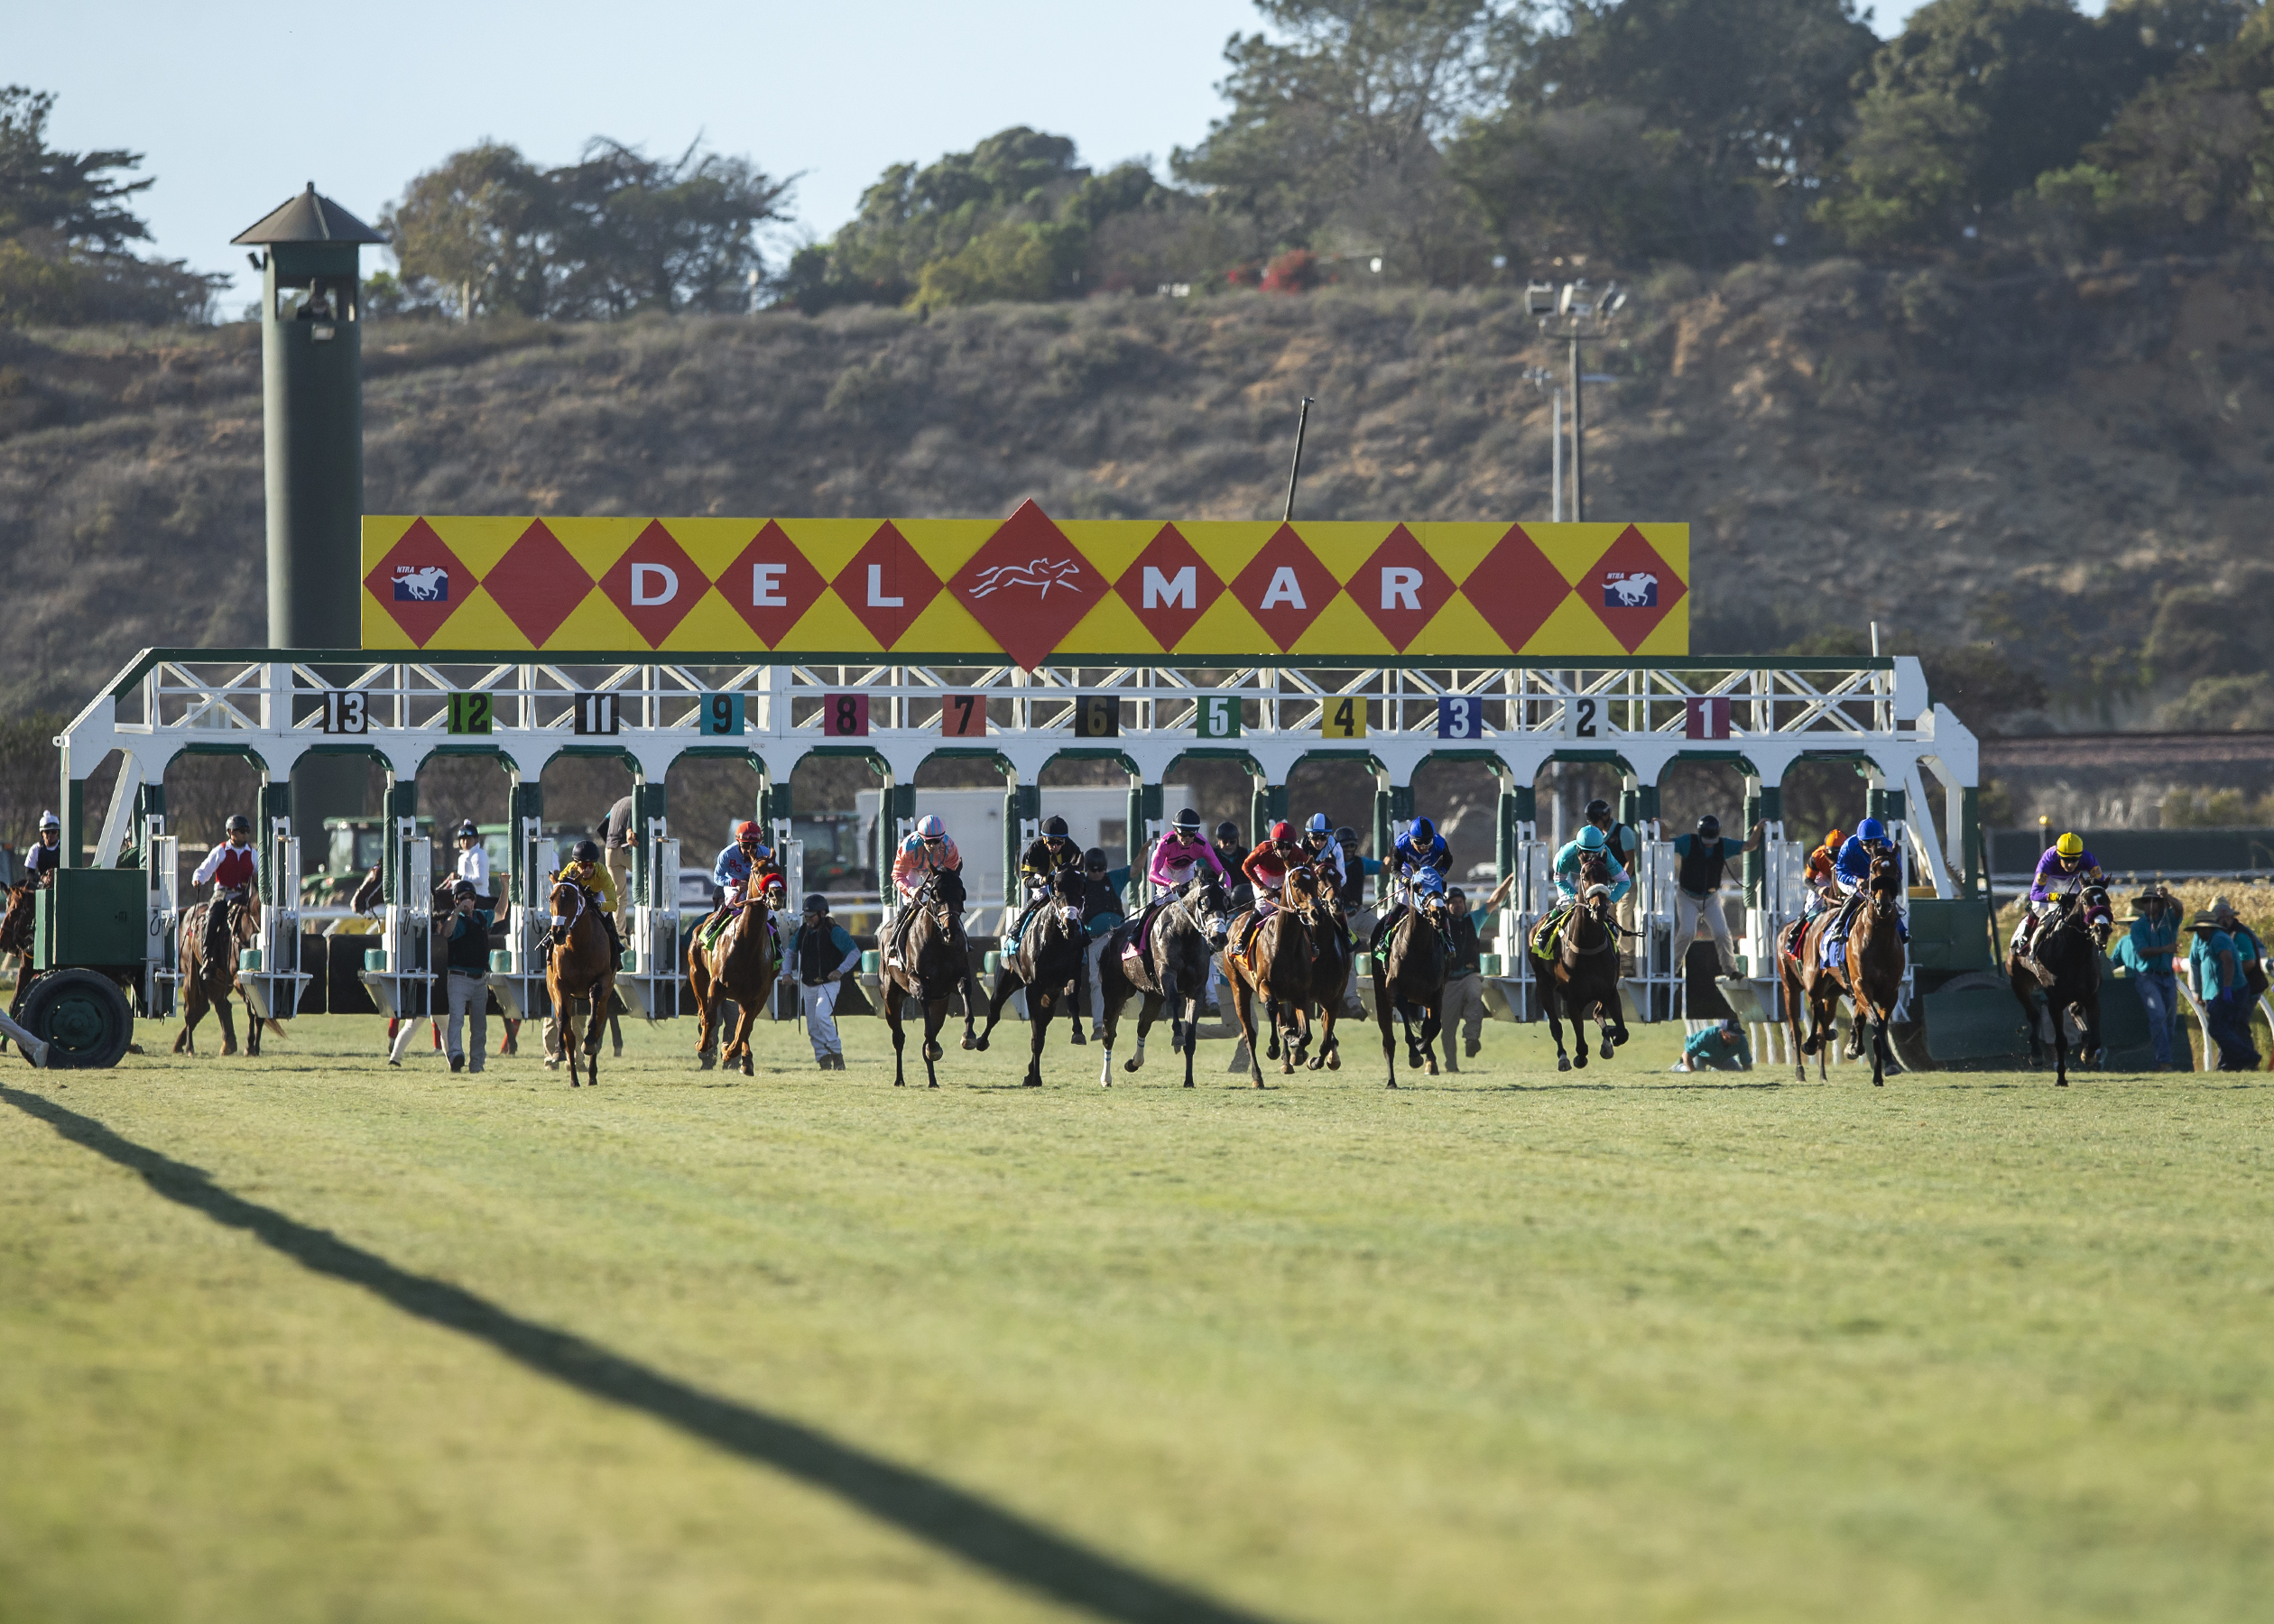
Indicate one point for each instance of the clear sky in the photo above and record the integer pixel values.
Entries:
(237, 106)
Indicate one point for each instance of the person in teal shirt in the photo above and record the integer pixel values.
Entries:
(2218, 979)
(1716, 1048)
(2145, 952)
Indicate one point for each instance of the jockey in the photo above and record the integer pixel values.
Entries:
(2065, 866)
(743, 868)
(1267, 868)
(1179, 855)
(1045, 865)
(1851, 871)
(586, 868)
(235, 867)
(46, 853)
(1591, 844)
(926, 852)
(1326, 852)
(1422, 851)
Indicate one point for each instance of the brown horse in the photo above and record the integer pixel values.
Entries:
(1046, 962)
(741, 967)
(1330, 974)
(1813, 986)
(934, 963)
(15, 935)
(2070, 948)
(1409, 975)
(209, 961)
(1875, 969)
(579, 967)
(1277, 964)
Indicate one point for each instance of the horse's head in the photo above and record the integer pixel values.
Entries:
(2098, 916)
(564, 903)
(1298, 892)
(1885, 884)
(15, 923)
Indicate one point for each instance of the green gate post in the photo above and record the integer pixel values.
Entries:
(648, 801)
(1146, 802)
(1021, 804)
(774, 803)
(401, 800)
(1763, 804)
(525, 798)
(1269, 805)
(897, 802)
(311, 412)
(272, 800)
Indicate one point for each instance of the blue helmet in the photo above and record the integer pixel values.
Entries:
(1871, 830)
(1318, 824)
(1592, 839)
(1422, 833)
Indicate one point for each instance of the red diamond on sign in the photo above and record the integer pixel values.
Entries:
(770, 583)
(420, 582)
(1632, 588)
(1516, 588)
(1285, 587)
(1400, 588)
(887, 584)
(654, 583)
(1029, 585)
(537, 584)
(1169, 586)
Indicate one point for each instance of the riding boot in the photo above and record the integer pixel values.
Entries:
(615, 942)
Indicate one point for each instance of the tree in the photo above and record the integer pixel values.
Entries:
(482, 224)
(635, 233)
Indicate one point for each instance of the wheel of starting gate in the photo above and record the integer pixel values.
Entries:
(81, 1016)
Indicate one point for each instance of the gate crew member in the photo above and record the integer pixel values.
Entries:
(467, 956)
(824, 956)
(2063, 869)
(1231, 852)
(926, 852)
(234, 866)
(1463, 1003)
(1422, 848)
(1102, 892)
(46, 854)
(1697, 887)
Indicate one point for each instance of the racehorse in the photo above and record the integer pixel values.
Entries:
(1409, 975)
(209, 960)
(1584, 979)
(16, 937)
(933, 963)
(1330, 973)
(1875, 964)
(1278, 966)
(1048, 958)
(1172, 972)
(741, 967)
(2070, 948)
(579, 966)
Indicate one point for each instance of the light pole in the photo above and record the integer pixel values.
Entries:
(1581, 315)
(1539, 377)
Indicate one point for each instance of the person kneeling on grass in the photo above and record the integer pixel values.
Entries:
(1716, 1048)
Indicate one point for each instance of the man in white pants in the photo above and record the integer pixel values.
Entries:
(1697, 887)
(822, 955)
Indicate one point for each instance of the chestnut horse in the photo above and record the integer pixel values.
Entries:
(742, 967)
(209, 961)
(579, 967)
(1277, 965)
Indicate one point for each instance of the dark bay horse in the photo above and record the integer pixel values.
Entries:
(1583, 979)
(934, 963)
(1330, 980)
(740, 968)
(1171, 973)
(579, 967)
(1409, 975)
(2070, 948)
(15, 938)
(209, 945)
(1046, 960)
(1277, 967)
(1875, 969)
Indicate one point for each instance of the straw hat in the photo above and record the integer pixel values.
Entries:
(2205, 920)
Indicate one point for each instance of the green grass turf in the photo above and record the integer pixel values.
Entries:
(1615, 1345)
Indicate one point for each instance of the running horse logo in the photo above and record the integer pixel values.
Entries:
(421, 584)
(1635, 591)
(1041, 573)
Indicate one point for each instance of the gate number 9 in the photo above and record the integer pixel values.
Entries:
(722, 715)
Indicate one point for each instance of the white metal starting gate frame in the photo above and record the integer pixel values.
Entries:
(278, 708)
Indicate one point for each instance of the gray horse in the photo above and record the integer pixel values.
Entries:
(1172, 972)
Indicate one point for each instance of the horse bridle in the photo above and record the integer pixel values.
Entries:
(562, 923)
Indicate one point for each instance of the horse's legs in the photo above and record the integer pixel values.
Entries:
(698, 982)
(1577, 1008)
(1148, 1011)
(1006, 982)
(893, 993)
(1243, 1006)
(227, 1017)
(2060, 1042)
(1793, 999)
(193, 1008)
(1192, 1033)
(1039, 1012)
(1552, 1004)
(1381, 1018)
(1432, 1027)
(935, 1017)
(747, 1017)
(251, 1027)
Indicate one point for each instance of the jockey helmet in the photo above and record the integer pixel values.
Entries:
(1094, 861)
(2071, 845)
(746, 832)
(1282, 830)
(585, 852)
(1871, 832)
(466, 831)
(1590, 839)
(1832, 838)
(1187, 822)
(932, 827)
(1055, 827)
(816, 904)
(463, 888)
(1598, 811)
(1318, 824)
(1709, 826)
(1421, 832)
(1227, 833)
(48, 820)
(241, 825)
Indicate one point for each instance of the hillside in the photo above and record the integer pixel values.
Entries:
(2030, 461)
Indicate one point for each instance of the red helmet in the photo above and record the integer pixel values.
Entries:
(746, 831)
(1282, 830)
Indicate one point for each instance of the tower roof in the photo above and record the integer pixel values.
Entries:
(307, 218)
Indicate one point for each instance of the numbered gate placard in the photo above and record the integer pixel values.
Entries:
(1097, 716)
(1460, 717)
(1342, 718)
(963, 715)
(470, 713)
(346, 711)
(720, 716)
(846, 715)
(597, 716)
(1218, 717)
(1583, 716)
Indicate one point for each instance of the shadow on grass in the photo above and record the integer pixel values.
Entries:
(954, 1519)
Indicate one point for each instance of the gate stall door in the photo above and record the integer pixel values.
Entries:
(161, 973)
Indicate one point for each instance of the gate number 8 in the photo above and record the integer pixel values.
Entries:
(846, 715)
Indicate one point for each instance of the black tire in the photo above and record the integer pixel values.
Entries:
(82, 1017)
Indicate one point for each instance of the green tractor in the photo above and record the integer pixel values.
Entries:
(90, 939)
